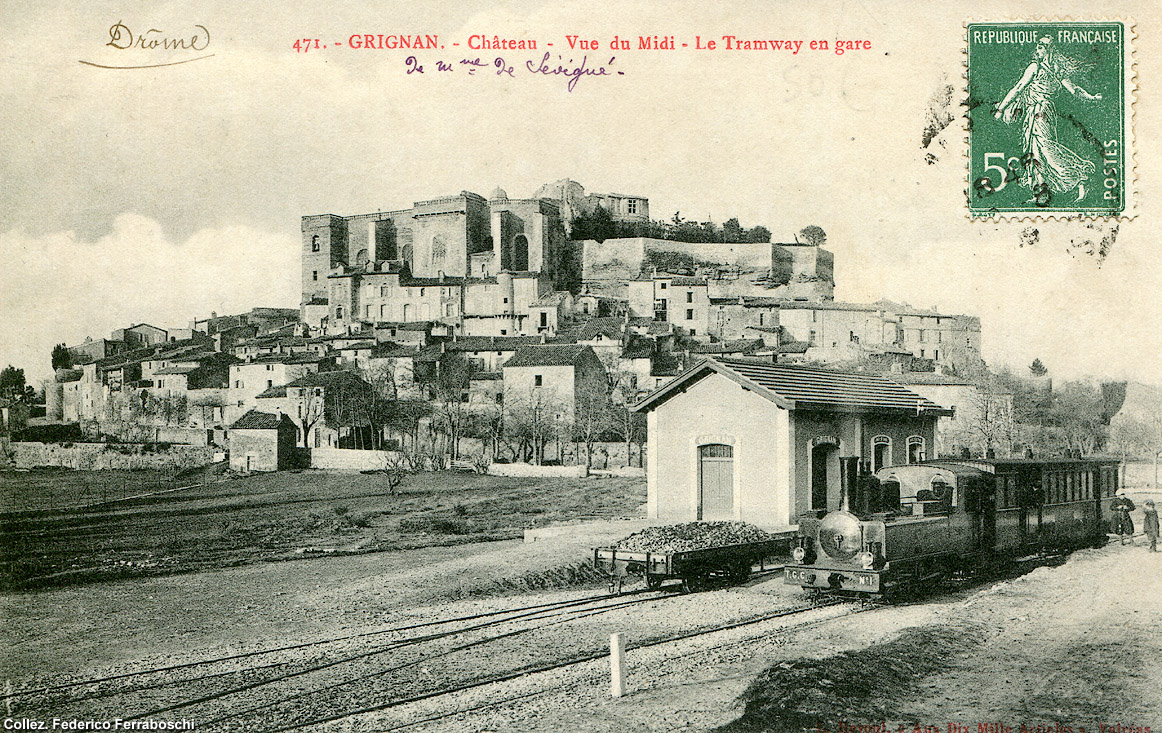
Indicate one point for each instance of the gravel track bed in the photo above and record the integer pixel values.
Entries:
(381, 671)
(517, 704)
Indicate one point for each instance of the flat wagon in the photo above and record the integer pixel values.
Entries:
(696, 569)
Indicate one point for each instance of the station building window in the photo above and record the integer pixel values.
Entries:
(915, 449)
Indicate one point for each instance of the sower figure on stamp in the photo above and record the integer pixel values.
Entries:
(1050, 167)
(1122, 505)
(1150, 524)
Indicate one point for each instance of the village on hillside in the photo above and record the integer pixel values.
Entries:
(500, 330)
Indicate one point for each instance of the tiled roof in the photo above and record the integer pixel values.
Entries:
(664, 364)
(178, 369)
(255, 420)
(491, 343)
(363, 344)
(689, 281)
(799, 387)
(340, 378)
(391, 350)
(272, 392)
(406, 325)
(736, 346)
(608, 327)
(299, 357)
(638, 347)
(547, 355)
(822, 386)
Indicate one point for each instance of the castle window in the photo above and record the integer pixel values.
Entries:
(315, 246)
(689, 296)
(538, 380)
(662, 286)
(689, 314)
(631, 206)
(315, 275)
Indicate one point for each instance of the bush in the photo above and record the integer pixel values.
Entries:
(435, 525)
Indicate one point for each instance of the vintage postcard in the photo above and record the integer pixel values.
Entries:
(590, 366)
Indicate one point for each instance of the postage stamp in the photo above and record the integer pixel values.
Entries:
(1050, 130)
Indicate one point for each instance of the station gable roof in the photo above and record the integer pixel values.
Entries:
(803, 388)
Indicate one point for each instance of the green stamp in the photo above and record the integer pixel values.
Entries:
(1050, 119)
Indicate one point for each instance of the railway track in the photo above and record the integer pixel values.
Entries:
(309, 683)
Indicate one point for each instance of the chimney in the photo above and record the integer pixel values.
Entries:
(440, 274)
(848, 472)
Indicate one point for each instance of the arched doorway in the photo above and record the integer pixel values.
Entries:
(881, 452)
(825, 482)
(715, 482)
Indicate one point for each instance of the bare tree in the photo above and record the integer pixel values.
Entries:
(311, 409)
(591, 415)
(993, 423)
(533, 418)
(453, 380)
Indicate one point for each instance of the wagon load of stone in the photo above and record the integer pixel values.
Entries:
(693, 536)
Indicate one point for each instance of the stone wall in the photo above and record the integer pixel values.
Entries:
(347, 459)
(525, 469)
(98, 456)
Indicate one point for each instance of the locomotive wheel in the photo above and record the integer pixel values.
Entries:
(653, 582)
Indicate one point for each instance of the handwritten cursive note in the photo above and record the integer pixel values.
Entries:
(569, 70)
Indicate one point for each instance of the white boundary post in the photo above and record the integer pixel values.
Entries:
(616, 665)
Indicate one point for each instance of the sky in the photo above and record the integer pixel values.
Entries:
(161, 195)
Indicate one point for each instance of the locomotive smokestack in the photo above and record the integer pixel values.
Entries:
(848, 474)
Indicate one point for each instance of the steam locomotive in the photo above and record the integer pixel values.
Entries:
(913, 523)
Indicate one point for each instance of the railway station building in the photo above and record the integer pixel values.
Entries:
(759, 442)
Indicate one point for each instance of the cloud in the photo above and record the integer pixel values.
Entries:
(60, 288)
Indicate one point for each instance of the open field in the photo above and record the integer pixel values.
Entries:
(233, 521)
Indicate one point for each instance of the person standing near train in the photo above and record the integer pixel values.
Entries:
(1121, 506)
(1150, 524)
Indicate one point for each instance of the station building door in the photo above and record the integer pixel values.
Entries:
(715, 482)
